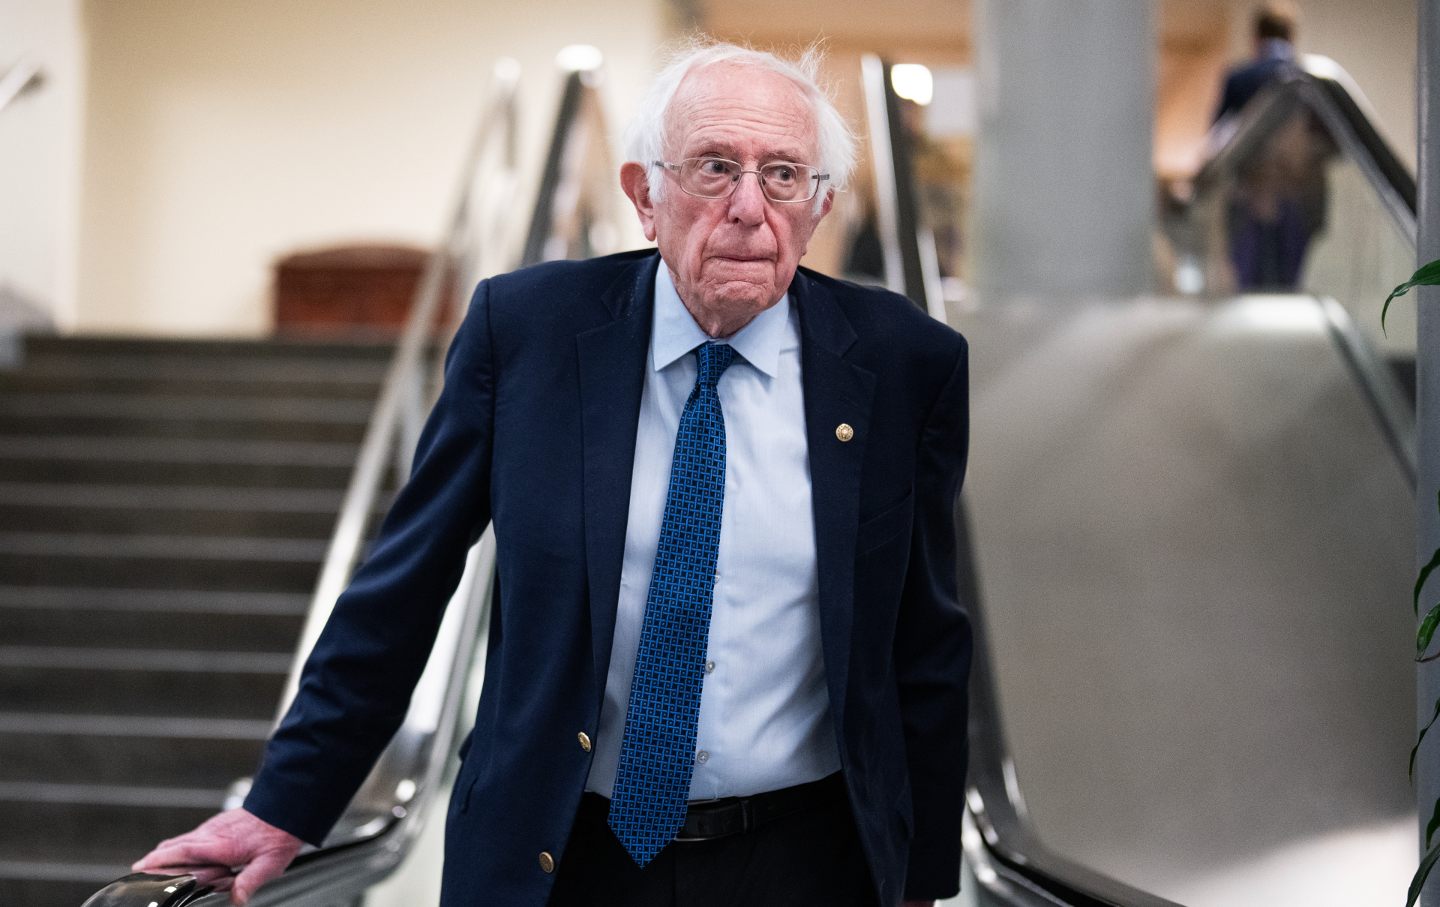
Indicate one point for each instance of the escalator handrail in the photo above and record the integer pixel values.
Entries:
(577, 151)
(1018, 865)
(398, 404)
(1323, 86)
(908, 248)
(993, 796)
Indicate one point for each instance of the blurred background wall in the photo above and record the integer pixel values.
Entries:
(179, 148)
(40, 162)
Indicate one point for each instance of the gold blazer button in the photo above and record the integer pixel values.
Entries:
(844, 432)
(547, 862)
(584, 739)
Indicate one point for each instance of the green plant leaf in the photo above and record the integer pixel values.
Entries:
(1434, 824)
(1421, 874)
(1424, 575)
(1426, 631)
(1427, 276)
(1421, 739)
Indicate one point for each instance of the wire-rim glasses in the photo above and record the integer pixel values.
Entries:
(716, 177)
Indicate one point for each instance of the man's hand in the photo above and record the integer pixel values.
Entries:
(233, 850)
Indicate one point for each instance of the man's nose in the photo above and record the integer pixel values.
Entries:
(747, 202)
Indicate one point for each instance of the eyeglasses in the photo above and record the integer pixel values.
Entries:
(715, 177)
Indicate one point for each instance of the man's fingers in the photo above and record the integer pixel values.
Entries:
(207, 875)
(179, 852)
(263, 868)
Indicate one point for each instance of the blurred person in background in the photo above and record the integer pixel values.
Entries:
(1279, 200)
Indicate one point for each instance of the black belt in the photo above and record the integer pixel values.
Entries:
(706, 820)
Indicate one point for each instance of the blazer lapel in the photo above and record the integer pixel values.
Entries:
(837, 392)
(612, 377)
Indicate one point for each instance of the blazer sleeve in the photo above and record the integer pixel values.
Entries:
(356, 685)
(933, 650)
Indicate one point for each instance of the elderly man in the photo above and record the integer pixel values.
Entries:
(727, 662)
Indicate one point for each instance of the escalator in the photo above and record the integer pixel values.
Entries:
(1191, 523)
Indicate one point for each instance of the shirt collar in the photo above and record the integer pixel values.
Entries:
(675, 333)
(1277, 49)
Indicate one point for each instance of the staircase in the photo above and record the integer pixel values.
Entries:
(164, 509)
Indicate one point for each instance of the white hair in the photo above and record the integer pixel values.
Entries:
(645, 136)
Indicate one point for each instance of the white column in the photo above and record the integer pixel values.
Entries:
(1064, 185)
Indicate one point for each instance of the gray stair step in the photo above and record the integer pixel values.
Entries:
(164, 508)
(43, 349)
(109, 415)
(95, 824)
(143, 629)
(127, 461)
(278, 512)
(160, 561)
(240, 378)
(210, 601)
(141, 682)
(129, 749)
(53, 883)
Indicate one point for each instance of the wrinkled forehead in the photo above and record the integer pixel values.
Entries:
(743, 100)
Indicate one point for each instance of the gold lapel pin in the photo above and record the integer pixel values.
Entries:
(844, 432)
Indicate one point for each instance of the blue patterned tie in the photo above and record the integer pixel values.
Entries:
(657, 754)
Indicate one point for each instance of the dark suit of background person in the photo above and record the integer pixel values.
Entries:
(535, 429)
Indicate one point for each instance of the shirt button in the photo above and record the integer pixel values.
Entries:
(702, 757)
(709, 667)
(547, 862)
(584, 739)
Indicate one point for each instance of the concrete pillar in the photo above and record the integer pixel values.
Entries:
(1064, 185)
(1427, 527)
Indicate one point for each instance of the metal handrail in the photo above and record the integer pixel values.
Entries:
(384, 818)
(23, 77)
(908, 246)
(564, 222)
(1322, 86)
(1007, 858)
(393, 428)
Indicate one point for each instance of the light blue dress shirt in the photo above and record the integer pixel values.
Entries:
(764, 711)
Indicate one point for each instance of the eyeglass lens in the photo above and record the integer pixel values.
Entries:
(710, 177)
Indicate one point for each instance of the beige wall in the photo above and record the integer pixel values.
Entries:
(39, 160)
(221, 135)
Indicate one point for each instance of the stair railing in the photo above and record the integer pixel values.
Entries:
(383, 820)
(1005, 858)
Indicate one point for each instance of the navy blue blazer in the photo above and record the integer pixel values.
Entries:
(1244, 82)
(535, 430)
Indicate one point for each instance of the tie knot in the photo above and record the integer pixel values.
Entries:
(713, 359)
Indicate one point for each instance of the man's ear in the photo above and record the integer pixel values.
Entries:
(827, 201)
(636, 183)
